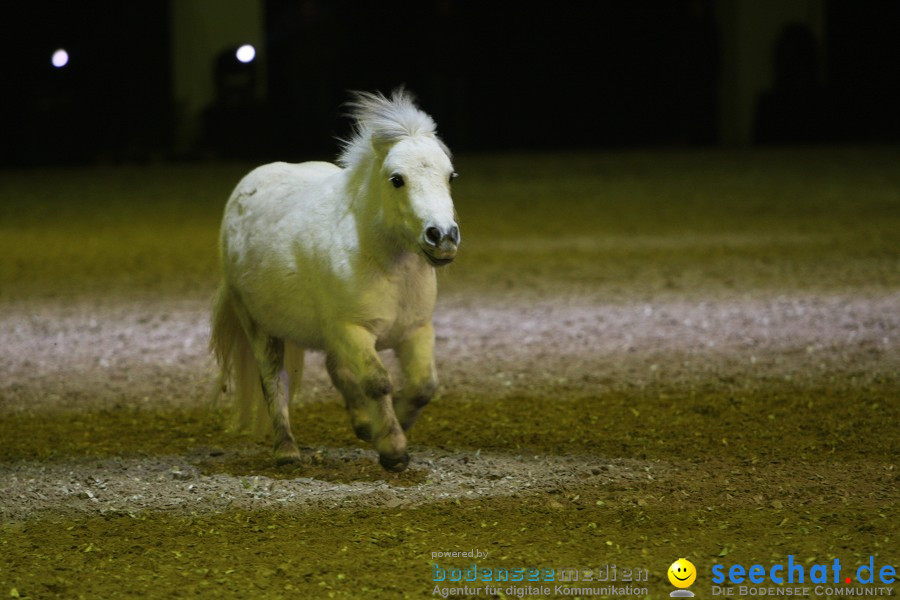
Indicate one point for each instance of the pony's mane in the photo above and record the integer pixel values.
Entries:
(379, 120)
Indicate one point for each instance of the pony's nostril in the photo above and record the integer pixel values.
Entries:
(454, 234)
(433, 235)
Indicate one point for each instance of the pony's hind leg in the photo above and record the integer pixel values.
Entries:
(293, 371)
(268, 353)
(270, 357)
(365, 383)
(416, 356)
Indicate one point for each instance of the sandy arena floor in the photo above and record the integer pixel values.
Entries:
(622, 383)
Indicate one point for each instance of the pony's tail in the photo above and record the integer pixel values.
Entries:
(228, 342)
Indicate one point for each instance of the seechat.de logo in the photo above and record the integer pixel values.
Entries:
(794, 572)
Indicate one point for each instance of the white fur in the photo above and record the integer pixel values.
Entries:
(332, 258)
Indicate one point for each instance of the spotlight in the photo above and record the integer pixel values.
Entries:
(60, 58)
(246, 53)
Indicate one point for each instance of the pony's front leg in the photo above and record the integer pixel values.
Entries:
(416, 356)
(358, 373)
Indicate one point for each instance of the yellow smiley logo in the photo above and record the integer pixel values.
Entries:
(682, 573)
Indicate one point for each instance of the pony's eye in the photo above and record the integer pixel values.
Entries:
(453, 176)
(397, 181)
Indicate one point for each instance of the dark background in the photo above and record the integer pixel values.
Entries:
(495, 75)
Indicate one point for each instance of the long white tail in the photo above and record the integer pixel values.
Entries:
(229, 343)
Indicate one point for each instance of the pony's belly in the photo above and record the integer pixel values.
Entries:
(289, 317)
(303, 332)
(308, 332)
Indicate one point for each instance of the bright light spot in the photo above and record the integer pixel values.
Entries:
(60, 58)
(246, 53)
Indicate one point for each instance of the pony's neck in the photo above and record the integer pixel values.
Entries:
(377, 240)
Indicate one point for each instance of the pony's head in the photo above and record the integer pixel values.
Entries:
(410, 172)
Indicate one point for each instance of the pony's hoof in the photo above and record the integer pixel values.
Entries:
(287, 456)
(394, 465)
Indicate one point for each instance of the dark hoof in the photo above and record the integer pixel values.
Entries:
(287, 459)
(287, 455)
(363, 432)
(394, 465)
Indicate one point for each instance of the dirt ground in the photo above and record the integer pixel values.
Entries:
(643, 356)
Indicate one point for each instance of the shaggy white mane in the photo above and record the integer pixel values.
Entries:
(382, 121)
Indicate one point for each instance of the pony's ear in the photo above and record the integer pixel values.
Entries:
(381, 144)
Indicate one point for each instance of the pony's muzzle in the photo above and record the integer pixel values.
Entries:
(440, 244)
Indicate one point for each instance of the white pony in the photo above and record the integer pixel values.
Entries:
(341, 259)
